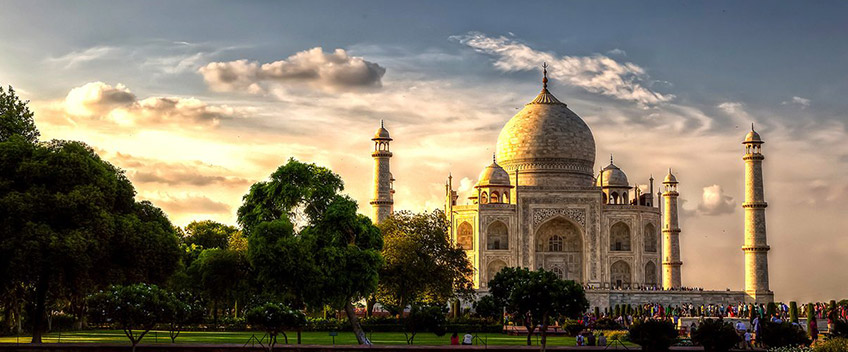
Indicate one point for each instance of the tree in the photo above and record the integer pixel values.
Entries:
(275, 318)
(424, 317)
(654, 335)
(793, 312)
(221, 274)
(486, 307)
(208, 234)
(307, 243)
(185, 309)
(15, 118)
(537, 297)
(69, 224)
(421, 265)
(811, 315)
(715, 335)
(782, 334)
(135, 309)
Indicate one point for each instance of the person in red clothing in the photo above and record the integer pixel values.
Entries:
(454, 339)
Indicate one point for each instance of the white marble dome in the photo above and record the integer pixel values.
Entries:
(612, 176)
(493, 175)
(548, 143)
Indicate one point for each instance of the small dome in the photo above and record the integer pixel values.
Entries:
(670, 178)
(753, 137)
(382, 133)
(493, 175)
(612, 176)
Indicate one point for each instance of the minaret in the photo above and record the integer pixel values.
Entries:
(382, 203)
(671, 232)
(756, 248)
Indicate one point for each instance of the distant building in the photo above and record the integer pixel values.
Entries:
(540, 204)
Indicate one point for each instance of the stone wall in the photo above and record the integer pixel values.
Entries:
(609, 298)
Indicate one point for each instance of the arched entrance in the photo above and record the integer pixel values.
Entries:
(650, 274)
(559, 243)
(493, 269)
(620, 275)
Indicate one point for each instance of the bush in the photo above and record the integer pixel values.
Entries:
(487, 308)
(572, 327)
(275, 318)
(715, 335)
(607, 324)
(793, 312)
(424, 318)
(784, 334)
(621, 335)
(654, 335)
(837, 344)
(840, 329)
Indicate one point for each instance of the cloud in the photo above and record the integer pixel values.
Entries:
(597, 73)
(141, 170)
(117, 104)
(796, 100)
(715, 202)
(617, 52)
(332, 72)
(75, 58)
(192, 204)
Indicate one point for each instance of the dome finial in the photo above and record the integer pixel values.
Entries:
(381, 124)
(752, 127)
(494, 159)
(545, 75)
(610, 158)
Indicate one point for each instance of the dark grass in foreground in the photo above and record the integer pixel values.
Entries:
(311, 338)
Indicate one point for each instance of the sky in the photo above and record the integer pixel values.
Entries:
(197, 100)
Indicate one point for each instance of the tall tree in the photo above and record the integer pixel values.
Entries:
(69, 223)
(15, 117)
(537, 297)
(209, 234)
(421, 265)
(307, 242)
(221, 274)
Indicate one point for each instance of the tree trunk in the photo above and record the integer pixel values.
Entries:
(369, 306)
(38, 315)
(354, 322)
(18, 319)
(299, 331)
(530, 329)
(544, 331)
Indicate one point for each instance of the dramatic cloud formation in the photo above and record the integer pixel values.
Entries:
(715, 202)
(336, 71)
(117, 104)
(191, 173)
(597, 73)
(803, 102)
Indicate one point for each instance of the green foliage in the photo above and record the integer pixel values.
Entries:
(538, 295)
(70, 225)
(209, 234)
(715, 335)
(220, 273)
(839, 329)
(15, 118)
(185, 309)
(771, 308)
(422, 266)
(135, 307)
(617, 311)
(653, 335)
(783, 334)
(486, 307)
(275, 318)
(607, 324)
(330, 259)
(793, 312)
(424, 318)
(837, 344)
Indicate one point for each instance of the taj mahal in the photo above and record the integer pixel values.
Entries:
(542, 204)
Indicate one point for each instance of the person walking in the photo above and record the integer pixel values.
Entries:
(747, 339)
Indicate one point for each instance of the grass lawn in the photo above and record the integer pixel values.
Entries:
(312, 338)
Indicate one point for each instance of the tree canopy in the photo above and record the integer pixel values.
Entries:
(69, 224)
(536, 297)
(15, 117)
(422, 266)
(208, 234)
(330, 258)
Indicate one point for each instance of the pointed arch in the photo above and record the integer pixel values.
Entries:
(619, 237)
(497, 236)
(651, 240)
(484, 198)
(494, 268)
(650, 274)
(562, 240)
(620, 274)
(465, 236)
(495, 197)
